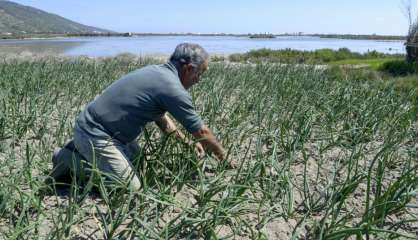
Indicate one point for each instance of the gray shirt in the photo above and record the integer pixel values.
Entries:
(142, 96)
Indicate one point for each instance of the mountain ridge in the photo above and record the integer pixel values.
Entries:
(20, 19)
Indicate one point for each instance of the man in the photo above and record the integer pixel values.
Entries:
(106, 131)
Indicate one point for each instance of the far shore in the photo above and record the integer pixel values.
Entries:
(250, 35)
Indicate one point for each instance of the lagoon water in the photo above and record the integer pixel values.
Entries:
(164, 45)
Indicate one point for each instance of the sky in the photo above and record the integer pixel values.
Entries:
(382, 17)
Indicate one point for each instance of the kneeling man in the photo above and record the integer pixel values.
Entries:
(106, 131)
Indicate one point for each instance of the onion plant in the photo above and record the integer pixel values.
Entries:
(319, 156)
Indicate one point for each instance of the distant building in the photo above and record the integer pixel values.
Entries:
(262, 35)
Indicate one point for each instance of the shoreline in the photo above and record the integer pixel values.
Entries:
(215, 57)
(249, 36)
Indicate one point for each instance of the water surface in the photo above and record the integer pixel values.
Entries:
(164, 45)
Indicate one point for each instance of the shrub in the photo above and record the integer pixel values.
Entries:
(217, 58)
(374, 54)
(339, 73)
(325, 55)
(407, 83)
(336, 73)
(312, 57)
(399, 67)
(236, 57)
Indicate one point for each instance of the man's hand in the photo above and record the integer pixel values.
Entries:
(208, 140)
(168, 127)
(232, 164)
(200, 151)
(204, 136)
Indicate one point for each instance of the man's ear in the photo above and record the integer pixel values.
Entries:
(183, 70)
(188, 67)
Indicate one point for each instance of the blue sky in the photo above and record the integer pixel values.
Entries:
(234, 16)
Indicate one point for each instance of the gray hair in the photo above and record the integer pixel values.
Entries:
(189, 53)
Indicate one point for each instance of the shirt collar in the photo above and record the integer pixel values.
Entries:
(172, 68)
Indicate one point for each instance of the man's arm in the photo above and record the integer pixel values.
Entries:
(208, 140)
(168, 126)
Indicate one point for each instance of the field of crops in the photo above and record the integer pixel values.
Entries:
(318, 157)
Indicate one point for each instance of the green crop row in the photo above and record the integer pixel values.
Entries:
(318, 156)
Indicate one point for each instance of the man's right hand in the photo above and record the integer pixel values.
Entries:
(208, 140)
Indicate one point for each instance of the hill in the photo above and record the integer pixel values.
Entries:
(19, 19)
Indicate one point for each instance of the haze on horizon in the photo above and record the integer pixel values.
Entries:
(382, 17)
